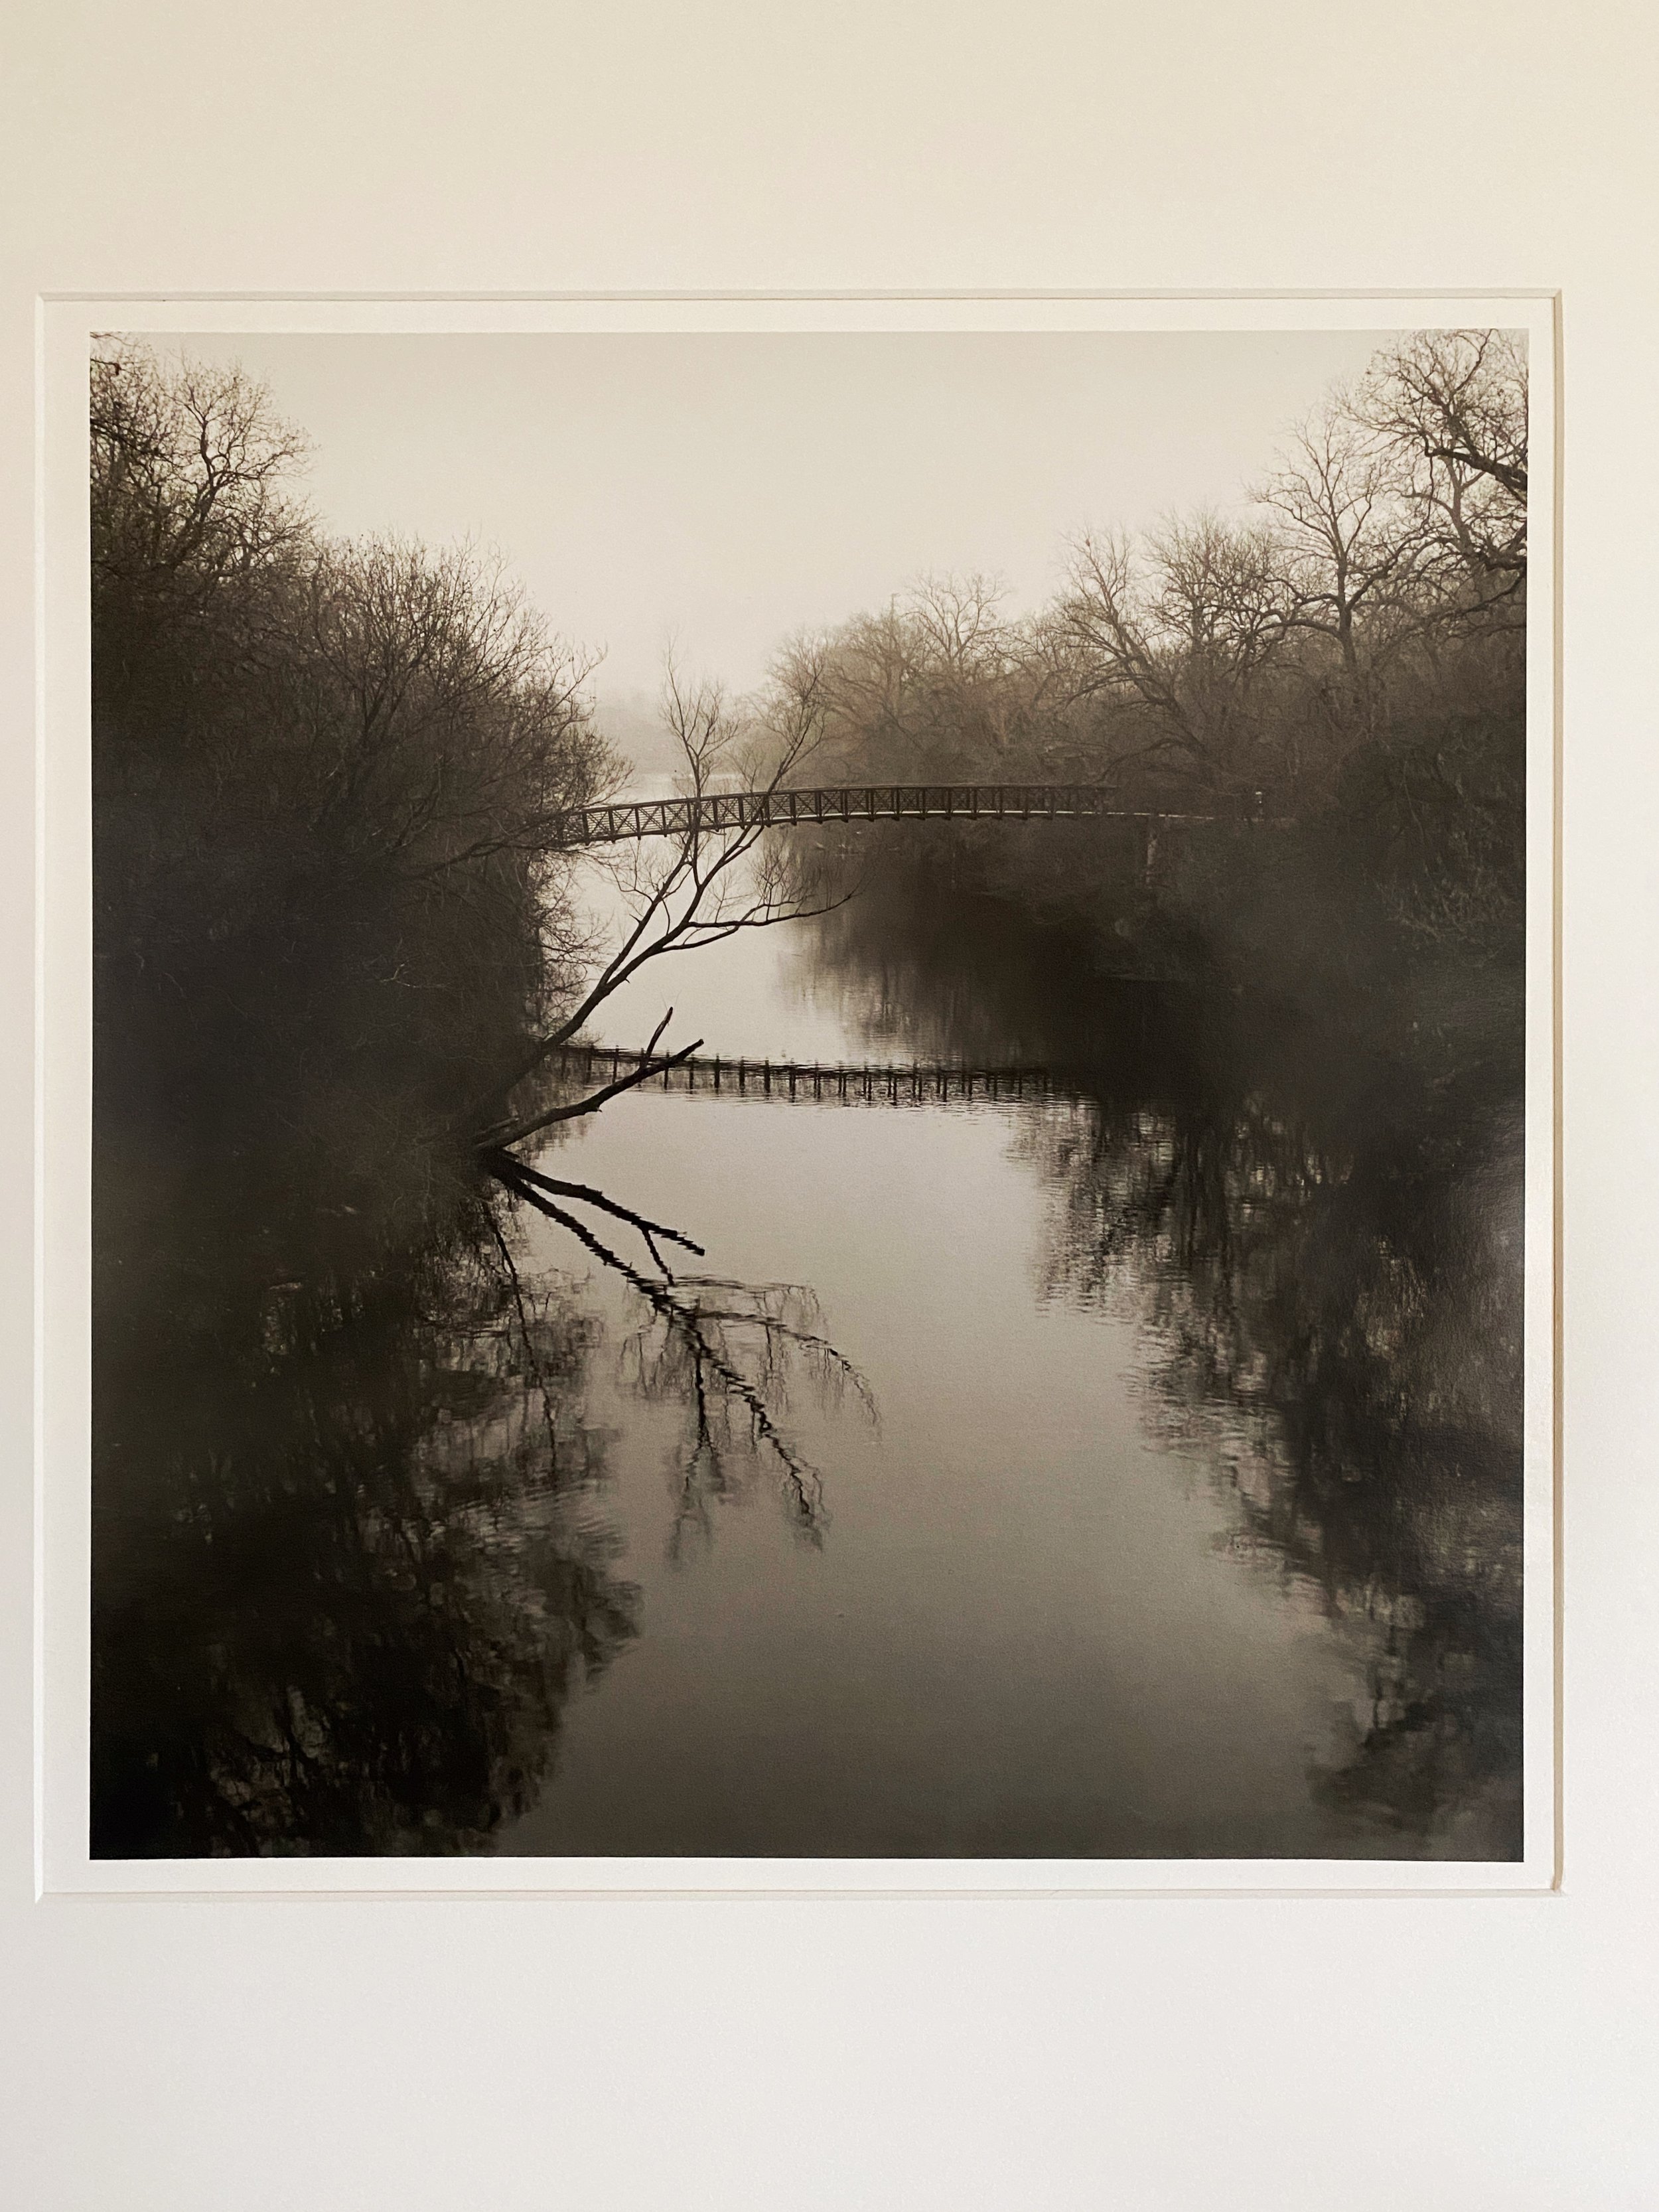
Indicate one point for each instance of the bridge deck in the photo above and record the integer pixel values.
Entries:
(861, 802)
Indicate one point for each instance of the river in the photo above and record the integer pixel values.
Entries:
(1069, 1591)
(1126, 1469)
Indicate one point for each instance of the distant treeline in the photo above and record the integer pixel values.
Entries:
(1348, 651)
(1377, 576)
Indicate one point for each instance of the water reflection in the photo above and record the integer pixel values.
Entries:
(1325, 1264)
(347, 1559)
(728, 1351)
(383, 1489)
(352, 1550)
(768, 1335)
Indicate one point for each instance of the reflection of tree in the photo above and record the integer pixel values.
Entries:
(1324, 1250)
(1340, 1333)
(730, 1350)
(764, 1333)
(349, 1566)
(346, 1567)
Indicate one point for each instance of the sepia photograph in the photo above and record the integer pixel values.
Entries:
(833, 1042)
(809, 1103)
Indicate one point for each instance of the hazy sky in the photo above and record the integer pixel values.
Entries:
(724, 491)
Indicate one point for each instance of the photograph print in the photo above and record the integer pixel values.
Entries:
(808, 1131)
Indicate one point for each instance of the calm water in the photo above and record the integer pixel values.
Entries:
(1150, 1482)
(1047, 1612)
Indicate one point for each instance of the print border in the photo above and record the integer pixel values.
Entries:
(65, 327)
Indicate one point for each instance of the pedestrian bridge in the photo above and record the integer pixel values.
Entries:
(713, 810)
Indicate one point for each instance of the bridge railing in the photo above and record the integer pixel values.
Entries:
(717, 810)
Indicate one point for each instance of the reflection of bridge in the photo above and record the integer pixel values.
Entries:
(912, 1083)
(858, 802)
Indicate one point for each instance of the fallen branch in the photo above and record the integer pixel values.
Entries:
(498, 1136)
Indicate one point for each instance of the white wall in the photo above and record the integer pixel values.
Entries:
(1278, 2055)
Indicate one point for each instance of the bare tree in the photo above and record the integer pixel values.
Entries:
(713, 883)
(330, 778)
(191, 471)
(941, 681)
(1177, 631)
(1349, 547)
(435, 703)
(1451, 408)
(960, 619)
